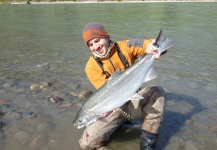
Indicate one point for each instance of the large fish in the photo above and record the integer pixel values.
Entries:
(121, 86)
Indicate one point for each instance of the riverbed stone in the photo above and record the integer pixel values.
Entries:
(4, 100)
(44, 84)
(213, 124)
(173, 146)
(74, 94)
(54, 143)
(35, 87)
(29, 114)
(5, 108)
(2, 136)
(61, 95)
(38, 141)
(84, 94)
(22, 136)
(10, 116)
(44, 127)
(192, 145)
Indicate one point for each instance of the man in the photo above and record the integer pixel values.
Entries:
(109, 56)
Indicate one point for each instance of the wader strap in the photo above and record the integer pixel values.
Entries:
(121, 56)
(99, 62)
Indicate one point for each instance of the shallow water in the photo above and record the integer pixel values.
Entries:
(43, 43)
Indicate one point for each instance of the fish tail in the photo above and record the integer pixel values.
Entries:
(162, 43)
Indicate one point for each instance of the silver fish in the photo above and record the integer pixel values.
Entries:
(121, 86)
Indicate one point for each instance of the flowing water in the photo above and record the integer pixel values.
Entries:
(43, 43)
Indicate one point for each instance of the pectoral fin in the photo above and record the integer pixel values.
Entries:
(150, 75)
(136, 96)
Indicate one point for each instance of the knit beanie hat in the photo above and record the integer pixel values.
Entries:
(94, 30)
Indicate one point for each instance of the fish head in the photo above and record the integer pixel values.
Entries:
(84, 118)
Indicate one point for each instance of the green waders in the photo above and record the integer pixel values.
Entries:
(150, 108)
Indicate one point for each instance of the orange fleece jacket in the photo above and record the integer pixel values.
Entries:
(94, 71)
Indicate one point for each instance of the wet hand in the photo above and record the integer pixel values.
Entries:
(107, 113)
(151, 49)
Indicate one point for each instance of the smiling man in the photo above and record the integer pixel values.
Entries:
(109, 56)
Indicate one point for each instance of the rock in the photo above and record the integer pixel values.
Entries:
(170, 103)
(39, 86)
(10, 116)
(54, 99)
(7, 85)
(51, 81)
(4, 101)
(192, 145)
(5, 108)
(38, 141)
(42, 65)
(84, 94)
(54, 143)
(2, 136)
(61, 95)
(74, 94)
(173, 146)
(43, 84)
(103, 148)
(29, 114)
(48, 88)
(35, 87)
(213, 124)
(22, 136)
(175, 139)
(65, 105)
(44, 127)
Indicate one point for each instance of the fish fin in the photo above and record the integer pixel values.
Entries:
(115, 74)
(135, 100)
(162, 43)
(160, 36)
(150, 75)
(136, 96)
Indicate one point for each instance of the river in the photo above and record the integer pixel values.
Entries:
(43, 43)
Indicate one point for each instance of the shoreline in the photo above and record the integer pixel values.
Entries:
(93, 2)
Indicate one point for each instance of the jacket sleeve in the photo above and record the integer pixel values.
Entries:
(94, 73)
(133, 48)
(138, 46)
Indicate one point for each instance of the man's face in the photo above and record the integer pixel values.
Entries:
(99, 45)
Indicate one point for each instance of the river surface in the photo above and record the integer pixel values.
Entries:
(43, 43)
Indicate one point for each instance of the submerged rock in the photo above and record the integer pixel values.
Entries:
(213, 124)
(10, 116)
(35, 87)
(74, 94)
(45, 127)
(43, 84)
(54, 99)
(84, 94)
(39, 86)
(2, 136)
(38, 141)
(4, 101)
(22, 136)
(192, 145)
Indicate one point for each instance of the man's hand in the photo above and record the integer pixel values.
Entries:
(107, 113)
(151, 49)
